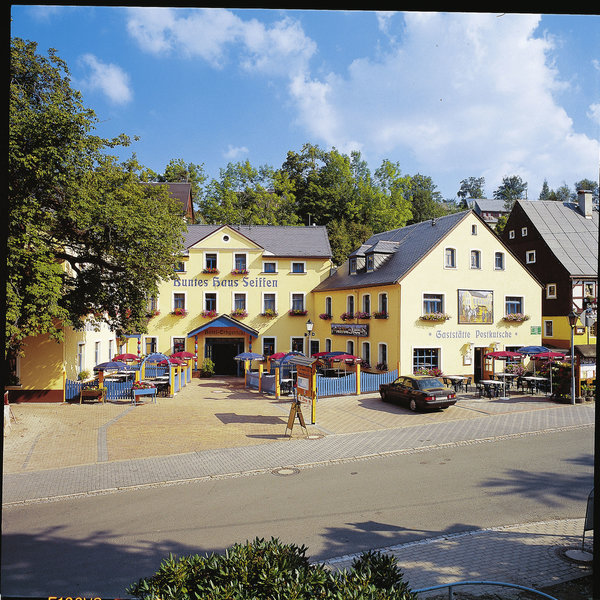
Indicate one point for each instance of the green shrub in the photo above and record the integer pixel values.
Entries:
(83, 375)
(269, 570)
(208, 368)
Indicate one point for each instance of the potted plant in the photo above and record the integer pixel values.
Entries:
(240, 272)
(211, 270)
(207, 369)
(142, 388)
(239, 312)
(362, 315)
(325, 316)
(297, 312)
(153, 313)
(269, 313)
(347, 316)
(83, 375)
(179, 312)
(209, 314)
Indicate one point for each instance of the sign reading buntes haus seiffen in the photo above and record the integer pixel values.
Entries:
(356, 329)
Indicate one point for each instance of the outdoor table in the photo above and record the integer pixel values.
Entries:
(456, 380)
(535, 382)
(490, 386)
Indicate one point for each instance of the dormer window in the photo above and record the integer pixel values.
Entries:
(352, 266)
(370, 262)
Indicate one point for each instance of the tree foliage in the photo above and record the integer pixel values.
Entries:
(83, 236)
(510, 190)
(472, 187)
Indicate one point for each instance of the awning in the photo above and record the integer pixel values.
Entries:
(224, 321)
(586, 350)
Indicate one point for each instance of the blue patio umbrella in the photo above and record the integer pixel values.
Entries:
(248, 356)
(530, 350)
(110, 365)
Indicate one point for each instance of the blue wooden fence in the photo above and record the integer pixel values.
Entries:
(370, 382)
(115, 390)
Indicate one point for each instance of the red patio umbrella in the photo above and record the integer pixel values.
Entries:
(345, 357)
(126, 357)
(173, 361)
(549, 356)
(183, 355)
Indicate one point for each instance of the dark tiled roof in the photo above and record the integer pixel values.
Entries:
(486, 205)
(276, 240)
(180, 191)
(410, 245)
(570, 236)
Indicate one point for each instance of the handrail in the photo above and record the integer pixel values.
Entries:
(511, 585)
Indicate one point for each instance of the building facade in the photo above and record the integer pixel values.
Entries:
(558, 244)
(434, 295)
(239, 289)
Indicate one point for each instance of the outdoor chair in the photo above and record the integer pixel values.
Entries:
(466, 383)
(286, 388)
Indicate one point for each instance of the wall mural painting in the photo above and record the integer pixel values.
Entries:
(476, 306)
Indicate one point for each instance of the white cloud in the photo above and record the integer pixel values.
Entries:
(234, 152)
(108, 78)
(459, 92)
(218, 36)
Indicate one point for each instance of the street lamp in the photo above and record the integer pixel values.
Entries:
(309, 333)
(573, 317)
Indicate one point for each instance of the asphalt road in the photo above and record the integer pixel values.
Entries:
(96, 546)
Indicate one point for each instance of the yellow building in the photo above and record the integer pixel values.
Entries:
(239, 289)
(437, 295)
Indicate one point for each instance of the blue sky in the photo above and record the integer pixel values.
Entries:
(448, 95)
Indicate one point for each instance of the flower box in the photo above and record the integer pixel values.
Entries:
(435, 317)
(380, 315)
(297, 312)
(325, 317)
(211, 270)
(347, 316)
(240, 272)
(269, 314)
(179, 312)
(362, 315)
(239, 312)
(143, 392)
(208, 314)
(153, 313)
(515, 318)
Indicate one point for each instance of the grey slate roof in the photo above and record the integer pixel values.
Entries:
(570, 236)
(485, 205)
(276, 240)
(410, 244)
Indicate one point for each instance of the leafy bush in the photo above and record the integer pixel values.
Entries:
(262, 570)
(208, 368)
(83, 375)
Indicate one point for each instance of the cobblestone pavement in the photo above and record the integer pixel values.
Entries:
(217, 428)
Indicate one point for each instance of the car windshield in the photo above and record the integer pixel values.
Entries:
(431, 382)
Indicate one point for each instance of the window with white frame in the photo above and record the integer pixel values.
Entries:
(179, 266)
(370, 262)
(151, 344)
(426, 358)
(382, 357)
(530, 257)
(298, 267)
(551, 291)
(350, 347)
(433, 303)
(450, 258)
(297, 344)
(473, 229)
(523, 231)
(178, 344)
(511, 234)
(110, 349)
(210, 301)
(350, 305)
(97, 357)
(327, 344)
(383, 303)
(499, 261)
(548, 328)
(366, 353)
(239, 262)
(298, 302)
(269, 267)
(475, 259)
(269, 303)
(210, 261)
(268, 346)
(80, 357)
(352, 265)
(366, 303)
(239, 301)
(513, 305)
(328, 308)
(314, 346)
(178, 301)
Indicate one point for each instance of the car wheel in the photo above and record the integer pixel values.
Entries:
(413, 405)
(383, 396)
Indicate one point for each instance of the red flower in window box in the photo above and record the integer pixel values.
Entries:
(179, 312)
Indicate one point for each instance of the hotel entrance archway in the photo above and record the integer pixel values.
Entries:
(222, 352)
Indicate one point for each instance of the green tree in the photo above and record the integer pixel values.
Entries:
(587, 184)
(545, 191)
(178, 171)
(472, 187)
(510, 190)
(83, 236)
(426, 201)
(561, 194)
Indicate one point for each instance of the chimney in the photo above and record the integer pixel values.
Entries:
(584, 197)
